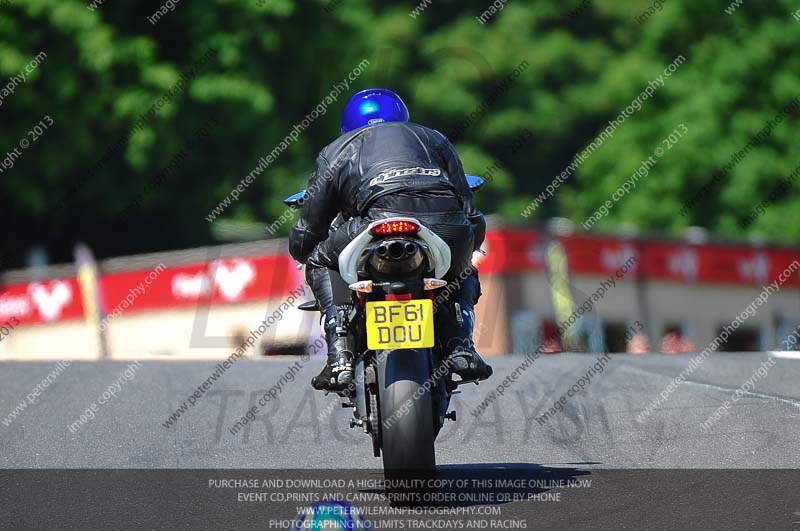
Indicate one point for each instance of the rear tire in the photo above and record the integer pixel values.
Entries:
(407, 428)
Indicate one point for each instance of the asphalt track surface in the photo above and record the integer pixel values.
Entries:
(302, 428)
(644, 471)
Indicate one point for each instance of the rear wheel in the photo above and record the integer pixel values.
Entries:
(407, 427)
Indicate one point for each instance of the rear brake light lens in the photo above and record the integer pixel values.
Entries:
(394, 227)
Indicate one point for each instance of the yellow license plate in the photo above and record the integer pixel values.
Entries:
(400, 324)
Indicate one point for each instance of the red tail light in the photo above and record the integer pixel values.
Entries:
(394, 227)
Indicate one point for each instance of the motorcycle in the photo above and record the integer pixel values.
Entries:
(401, 387)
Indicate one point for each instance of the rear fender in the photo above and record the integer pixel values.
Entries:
(351, 255)
(407, 364)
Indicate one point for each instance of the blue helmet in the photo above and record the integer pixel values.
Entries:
(373, 106)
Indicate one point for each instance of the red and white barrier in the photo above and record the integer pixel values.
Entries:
(197, 309)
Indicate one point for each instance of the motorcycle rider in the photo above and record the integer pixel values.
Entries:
(383, 165)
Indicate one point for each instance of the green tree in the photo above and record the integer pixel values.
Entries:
(273, 62)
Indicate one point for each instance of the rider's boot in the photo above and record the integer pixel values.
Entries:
(457, 318)
(338, 371)
(328, 288)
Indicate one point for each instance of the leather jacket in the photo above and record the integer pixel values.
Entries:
(392, 166)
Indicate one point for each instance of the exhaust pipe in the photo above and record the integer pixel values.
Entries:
(396, 250)
(397, 256)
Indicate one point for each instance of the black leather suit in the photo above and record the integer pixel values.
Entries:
(388, 169)
(352, 177)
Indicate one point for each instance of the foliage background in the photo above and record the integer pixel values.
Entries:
(278, 58)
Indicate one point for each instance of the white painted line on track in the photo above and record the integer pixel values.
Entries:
(785, 354)
(795, 403)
